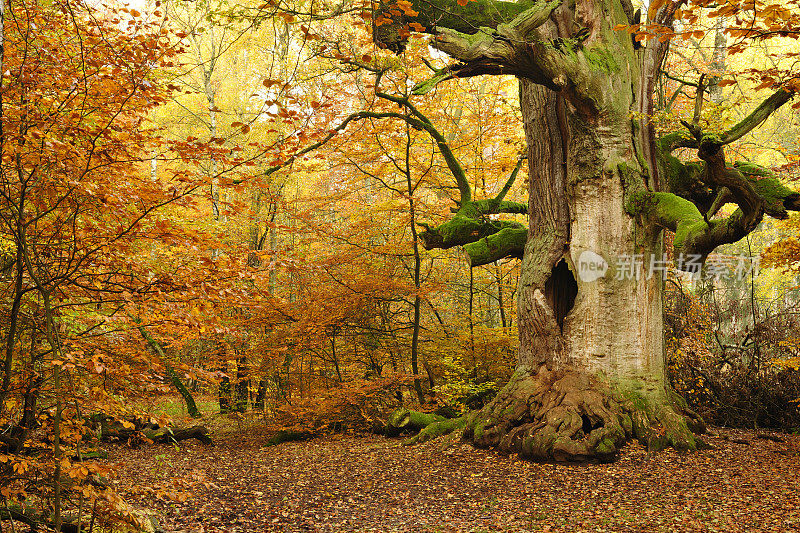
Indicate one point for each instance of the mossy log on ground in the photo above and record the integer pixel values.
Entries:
(90, 455)
(178, 434)
(109, 429)
(35, 520)
(573, 416)
(427, 426)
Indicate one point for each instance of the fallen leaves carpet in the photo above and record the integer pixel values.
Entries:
(369, 483)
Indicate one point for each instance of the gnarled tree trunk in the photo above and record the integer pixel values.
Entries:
(591, 369)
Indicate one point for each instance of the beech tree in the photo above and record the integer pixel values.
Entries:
(590, 372)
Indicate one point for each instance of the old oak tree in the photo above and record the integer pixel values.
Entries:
(590, 372)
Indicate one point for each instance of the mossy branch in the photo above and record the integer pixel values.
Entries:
(430, 84)
(511, 178)
(758, 116)
(700, 189)
(471, 221)
(719, 175)
(487, 36)
(695, 236)
(512, 48)
(508, 242)
(777, 199)
(493, 206)
(388, 25)
(711, 184)
(462, 230)
(191, 406)
(425, 123)
(485, 240)
(679, 139)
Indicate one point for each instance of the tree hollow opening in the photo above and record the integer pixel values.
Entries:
(560, 290)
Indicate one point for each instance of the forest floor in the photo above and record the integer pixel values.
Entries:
(368, 483)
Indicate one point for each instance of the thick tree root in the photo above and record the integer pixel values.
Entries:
(404, 420)
(572, 416)
(438, 429)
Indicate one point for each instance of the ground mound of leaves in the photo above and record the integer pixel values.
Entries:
(747, 482)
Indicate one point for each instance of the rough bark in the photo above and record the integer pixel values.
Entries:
(242, 390)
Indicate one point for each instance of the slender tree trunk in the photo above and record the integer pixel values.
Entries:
(273, 249)
(242, 383)
(261, 396)
(11, 336)
(471, 318)
(417, 273)
(191, 406)
(55, 347)
(335, 357)
(500, 300)
(224, 394)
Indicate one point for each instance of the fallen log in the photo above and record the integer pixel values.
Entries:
(35, 519)
(178, 434)
(109, 429)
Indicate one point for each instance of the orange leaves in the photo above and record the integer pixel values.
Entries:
(381, 20)
(245, 128)
(77, 471)
(463, 3)
(645, 32)
(653, 8)
(407, 9)
(396, 12)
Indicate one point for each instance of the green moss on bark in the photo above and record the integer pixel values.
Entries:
(438, 429)
(508, 242)
(601, 59)
(406, 420)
